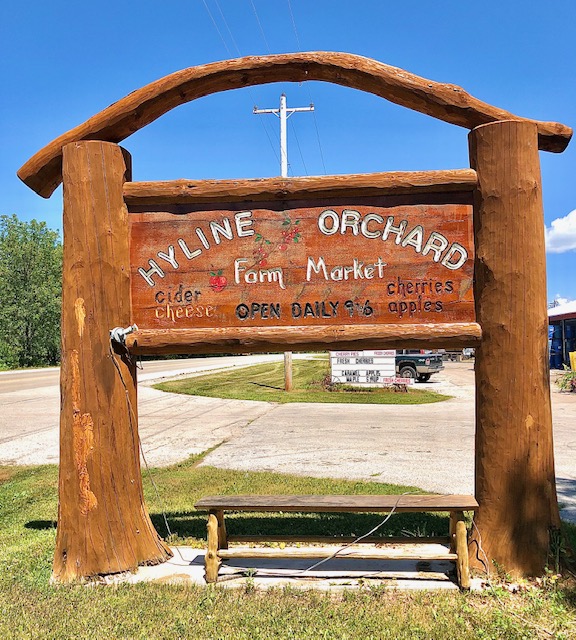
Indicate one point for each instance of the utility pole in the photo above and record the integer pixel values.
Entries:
(284, 113)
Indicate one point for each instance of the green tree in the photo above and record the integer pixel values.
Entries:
(30, 293)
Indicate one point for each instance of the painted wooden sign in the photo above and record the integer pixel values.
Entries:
(367, 260)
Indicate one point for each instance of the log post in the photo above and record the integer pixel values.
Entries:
(452, 534)
(222, 535)
(103, 524)
(514, 474)
(461, 544)
(212, 560)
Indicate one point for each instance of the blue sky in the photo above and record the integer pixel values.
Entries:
(64, 61)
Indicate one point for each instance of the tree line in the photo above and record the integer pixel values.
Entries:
(30, 293)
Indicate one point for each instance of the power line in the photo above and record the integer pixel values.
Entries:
(299, 149)
(228, 28)
(308, 89)
(217, 29)
(318, 138)
(294, 26)
(283, 144)
(239, 54)
(283, 113)
(260, 25)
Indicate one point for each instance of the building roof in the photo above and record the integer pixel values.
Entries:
(565, 311)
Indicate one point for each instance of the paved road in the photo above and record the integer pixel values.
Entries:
(429, 446)
(171, 427)
(25, 379)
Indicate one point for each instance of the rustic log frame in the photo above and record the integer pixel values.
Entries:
(413, 183)
(515, 480)
(455, 505)
(448, 102)
(514, 519)
(315, 338)
(103, 524)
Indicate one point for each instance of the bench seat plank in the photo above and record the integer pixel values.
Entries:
(336, 539)
(384, 554)
(339, 503)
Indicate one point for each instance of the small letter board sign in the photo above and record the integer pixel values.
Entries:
(365, 368)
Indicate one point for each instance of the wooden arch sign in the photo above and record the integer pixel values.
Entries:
(388, 259)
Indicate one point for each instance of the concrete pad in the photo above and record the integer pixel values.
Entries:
(429, 446)
(187, 567)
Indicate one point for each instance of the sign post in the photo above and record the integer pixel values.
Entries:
(103, 524)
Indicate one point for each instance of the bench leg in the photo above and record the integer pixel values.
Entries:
(461, 536)
(211, 560)
(453, 521)
(222, 535)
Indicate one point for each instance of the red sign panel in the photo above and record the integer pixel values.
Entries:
(364, 261)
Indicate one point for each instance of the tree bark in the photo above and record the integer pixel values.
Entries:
(411, 183)
(103, 525)
(515, 482)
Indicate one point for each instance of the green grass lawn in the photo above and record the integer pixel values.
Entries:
(265, 382)
(31, 608)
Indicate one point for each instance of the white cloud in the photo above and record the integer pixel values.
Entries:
(561, 235)
(562, 300)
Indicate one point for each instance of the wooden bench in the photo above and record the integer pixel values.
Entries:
(455, 505)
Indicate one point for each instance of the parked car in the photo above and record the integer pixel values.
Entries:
(414, 363)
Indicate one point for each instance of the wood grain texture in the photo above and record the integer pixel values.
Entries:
(317, 338)
(462, 561)
(338, 539)
(43, 172)
(258, 189)
(222, 534)
(288, 371)
(348, 260)
(103, 525)
(212, 559)
(379, 554)
(339, 503)
(515, 482)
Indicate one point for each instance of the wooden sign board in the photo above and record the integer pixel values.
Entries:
(370, 260)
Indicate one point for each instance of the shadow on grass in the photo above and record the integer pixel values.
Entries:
(40, 525)
(569, 594)
(193, 524)
(266, 386)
